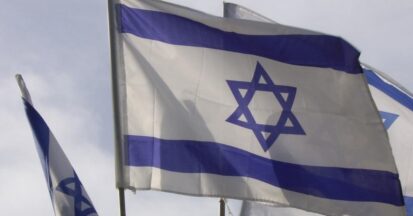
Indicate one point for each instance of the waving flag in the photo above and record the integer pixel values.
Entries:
(248, 110)
(388, 95)
(69, 198)
(396, 109)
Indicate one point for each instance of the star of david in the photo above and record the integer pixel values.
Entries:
(76, 193)
(287, 122)
(388, 118)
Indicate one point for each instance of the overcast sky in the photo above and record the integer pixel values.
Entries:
(61, 48)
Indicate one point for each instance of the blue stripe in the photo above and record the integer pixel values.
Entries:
(41, 133)
(306, 50)
(207, 157)
(393, 92)
(408, 202)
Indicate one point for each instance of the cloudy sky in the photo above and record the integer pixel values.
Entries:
(61, 48)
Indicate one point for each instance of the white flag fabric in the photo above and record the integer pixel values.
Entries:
(248, 110)
(250, 208)
(69, 198)
(235, 11)
(394, 103)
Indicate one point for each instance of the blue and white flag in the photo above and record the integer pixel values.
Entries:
(394, 102)
(69, 198)
(249, 110)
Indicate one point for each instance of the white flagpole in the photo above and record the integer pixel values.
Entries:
(23, 89)
(116, 107)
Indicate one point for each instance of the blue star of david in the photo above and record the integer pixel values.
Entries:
(76, 193)
(388, 118)
(286, 103)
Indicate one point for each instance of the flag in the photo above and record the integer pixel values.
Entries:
(248, 110)
(392, 100)
(250, 208)
(69, 198)
(395, 104)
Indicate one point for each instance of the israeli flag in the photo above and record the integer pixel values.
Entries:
(248, 110)
(395, 104)
(69, 198)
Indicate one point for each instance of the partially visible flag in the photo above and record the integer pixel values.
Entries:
(248, 110)
(250, 208)
(395, 104)
(69, 198)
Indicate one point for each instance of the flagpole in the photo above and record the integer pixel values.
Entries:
(122, 201)
(221, 207)
(116, 109)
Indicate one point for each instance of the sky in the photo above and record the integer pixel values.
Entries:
(62, 50)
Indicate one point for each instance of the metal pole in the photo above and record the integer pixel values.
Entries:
(116, 110)
(122, 201)
(221, 207)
